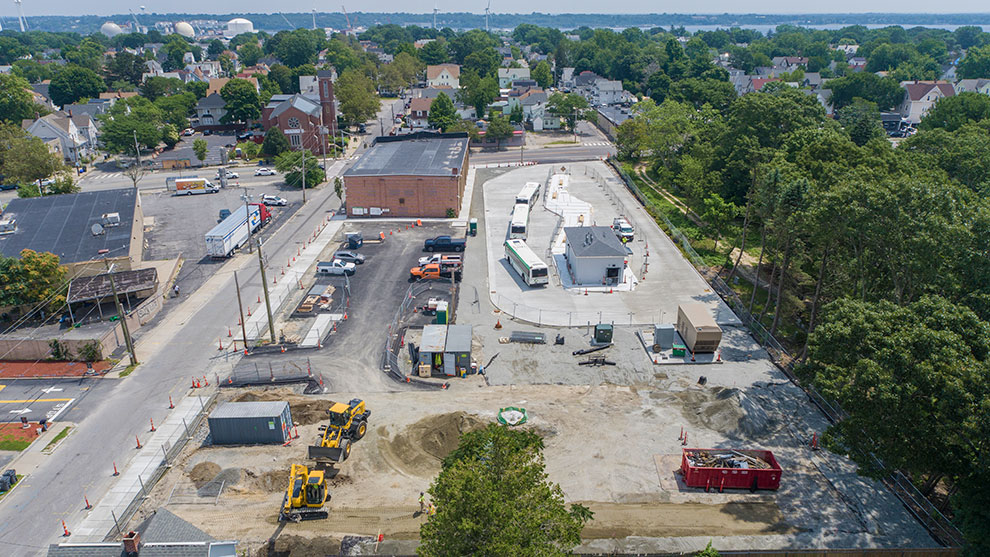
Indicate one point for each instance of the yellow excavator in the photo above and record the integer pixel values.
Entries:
(348, 423)
(306, 495)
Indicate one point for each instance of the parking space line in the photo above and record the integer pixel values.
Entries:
(35, 400)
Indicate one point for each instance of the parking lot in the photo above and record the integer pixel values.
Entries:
(176, 225)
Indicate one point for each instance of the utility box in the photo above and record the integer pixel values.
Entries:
(457, 352)
(251, 423)
(603, 333)
(354, 240)
(697, 327)
(663, 336)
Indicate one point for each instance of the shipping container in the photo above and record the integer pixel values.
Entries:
(250, 423)
(457, 350)
(736, 478)
(663, 336)
(697, 327)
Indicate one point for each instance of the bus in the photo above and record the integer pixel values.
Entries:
(529, 194)
(532, 270)
(519, 222)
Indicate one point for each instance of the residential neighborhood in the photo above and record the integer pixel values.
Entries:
(291, 285)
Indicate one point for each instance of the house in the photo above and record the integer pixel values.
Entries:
(88, 129)
(812, 79)
(210, 109)
(824, 98)
(920, 96)
(742, 83)
(973, 86)
(759, 82)
(567, 78)
(606, 91)
(113, 96)
(586, 79)
(949, 74)
(848, 49)
(789, 63)
(74, 143)
(857, 63)
(419, 112)
(64, 225)
(307, 122)
(507, 75)
(444, 75)
(421, 174)
(594, 256)
(208, 68)
(216, 84)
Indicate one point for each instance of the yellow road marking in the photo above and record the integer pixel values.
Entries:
(35, 400)
(2, 387)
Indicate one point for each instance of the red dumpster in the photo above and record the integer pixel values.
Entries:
(729, 468)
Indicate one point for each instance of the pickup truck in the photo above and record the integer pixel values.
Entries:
(335, 267)
(444, 243)
(435, 271)
(441, 258)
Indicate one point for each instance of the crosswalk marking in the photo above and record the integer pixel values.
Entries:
(597, 144)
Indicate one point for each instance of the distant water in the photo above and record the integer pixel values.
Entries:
(831, 26)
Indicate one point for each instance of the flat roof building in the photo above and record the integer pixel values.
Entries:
(82, 229)
(416, 175)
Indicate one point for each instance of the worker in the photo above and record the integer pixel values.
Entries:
(433, 509)
(175, 289)
(422, 502)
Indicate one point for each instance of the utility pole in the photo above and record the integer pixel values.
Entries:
(303, 175)
(247, 199)
(123, 317)
(240, 308)
(264, 285)
(137, 150)
(521, 147)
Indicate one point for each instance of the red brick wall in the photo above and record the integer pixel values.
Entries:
(405, 196)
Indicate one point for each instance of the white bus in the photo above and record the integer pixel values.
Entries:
(529, 194)
(519, 221)
(532, 270)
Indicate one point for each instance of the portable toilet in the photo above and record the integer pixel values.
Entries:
(603, 333)
(457, 352)
(442, 313)
(473, 227)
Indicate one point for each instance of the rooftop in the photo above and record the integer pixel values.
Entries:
(251, 409)
(98, 287)
(593, 241)
(63, 225)
(417, 154)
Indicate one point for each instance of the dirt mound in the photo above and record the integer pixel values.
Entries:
(305, 411)
(418, 449)
(298, 546)
(203, 473)
(264, 482)
(726, 410)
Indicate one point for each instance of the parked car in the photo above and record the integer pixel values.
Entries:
(188, 131)
(207, 132)
(264, 171)
(8, 186)
(48, 182)
(444, 243)
(230, 175)
(362, 128)
(349, 257)
(274, 200)
(245, 135)
(335, 267)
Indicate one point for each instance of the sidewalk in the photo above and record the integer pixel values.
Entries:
(143, 467)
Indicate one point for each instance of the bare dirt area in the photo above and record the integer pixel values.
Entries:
(613, 448)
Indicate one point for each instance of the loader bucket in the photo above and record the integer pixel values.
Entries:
(334, 454)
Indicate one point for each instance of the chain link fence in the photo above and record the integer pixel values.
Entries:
(938, 525)
(390, 362)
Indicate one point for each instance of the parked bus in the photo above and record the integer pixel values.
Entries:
(519, 222)
(532, 270)
(529, 195)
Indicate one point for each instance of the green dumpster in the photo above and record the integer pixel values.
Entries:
(679, 350)
(473, 227)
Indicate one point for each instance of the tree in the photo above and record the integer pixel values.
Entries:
(719, 94)
(200, 148)
(176, 108)
(484, 62)
(157, 86)
(16, 102)
(135, 172)
(290, 164)
(242, 101)
(434, 52)
(861, 120)
(125, 66)
(26, 158)
(275, 143)
(249, 54)
(408, 67)
(442, 113)
(197, 88)
(952, 113)
(885, 92)
(517, 115)
(32, 70)
(73, 83)
(214, 49)
(542, 74)
(497, 473)
(976, 64)
(35, 277)
(718, 214)
(571, 107)
(477, 92)
(499, 128)
(356, 94)
(298, 47)
(338, 188)
(170, 135)
(134, 115)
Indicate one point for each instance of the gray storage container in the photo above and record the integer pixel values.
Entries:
(457, 352)
(663, 334)
(250, 423)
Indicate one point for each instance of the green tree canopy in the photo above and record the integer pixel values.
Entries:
(499, 128)
(75, 83)
(127, 117)
(434, 52)
(249, 54)
(542, 74)
(442, 114)
(976, 64)
(16, 102)
(570, 107)
(200, 148)
(25, 158)
(290, 164)
(493, 497)
(861, 120)
(952, 113)
(35, 277)
(357, 97)
(243, 103)
(275, 143)
(885, 92)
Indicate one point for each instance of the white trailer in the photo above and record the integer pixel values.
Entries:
(233, 232)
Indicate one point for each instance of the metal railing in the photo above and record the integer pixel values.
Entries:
(937, 524)
(393, 335)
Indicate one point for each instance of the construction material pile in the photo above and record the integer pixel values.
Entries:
(727, 459)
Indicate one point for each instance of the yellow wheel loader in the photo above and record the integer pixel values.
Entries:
(306, 495)
(348, 423)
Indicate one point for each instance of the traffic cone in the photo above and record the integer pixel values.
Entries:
(259, 301)
(295, 432)
(721, 485)
(498, 324)
(274, 280)
(684, 442)
(193, 386)
(206, 382)
(170, 405)
(692, 355)
(152, 424)
(65, 530)
(238, 321)
(345, 316)
(719, 357)
(115, 472)
(585, 291)
(228, 333)
(249, 311)
(88, 506)
(283, 274)
(220, 344)
(681, 436)
(288, 263)
(197, 383)
(245, 351)
(814, 441)
(283, 349)
(138, 441)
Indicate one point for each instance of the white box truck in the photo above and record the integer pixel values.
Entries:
(233, 231)
(190, 186)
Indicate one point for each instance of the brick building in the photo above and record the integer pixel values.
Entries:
(416, 175)
(308, 121)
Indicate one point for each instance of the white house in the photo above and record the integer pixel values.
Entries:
(606, 92)
(444, 75)
(981, 86)
(59, 126)
(507, 75)
(594, 255)
(210, 109)
(920, 96)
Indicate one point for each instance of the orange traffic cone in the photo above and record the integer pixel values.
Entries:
(498, 324)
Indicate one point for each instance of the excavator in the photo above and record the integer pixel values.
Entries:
(348, 423)
(306, 495)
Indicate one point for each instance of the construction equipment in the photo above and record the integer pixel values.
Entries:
(348, 423)
(306, 495)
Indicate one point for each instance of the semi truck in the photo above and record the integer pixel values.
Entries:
(233, 232)
(190, 186)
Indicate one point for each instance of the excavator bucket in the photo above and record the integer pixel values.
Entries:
(334, 454)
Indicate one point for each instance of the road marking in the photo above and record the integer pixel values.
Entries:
(51, 390)
(21, 411)
(57, 410)
(35, 400)
(2, 387)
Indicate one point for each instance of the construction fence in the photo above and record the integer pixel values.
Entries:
(938, 525)
(418, 290)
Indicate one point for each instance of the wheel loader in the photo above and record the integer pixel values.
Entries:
(306, 495)
(348, 423)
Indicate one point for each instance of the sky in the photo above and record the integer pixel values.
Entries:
(103, 7)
